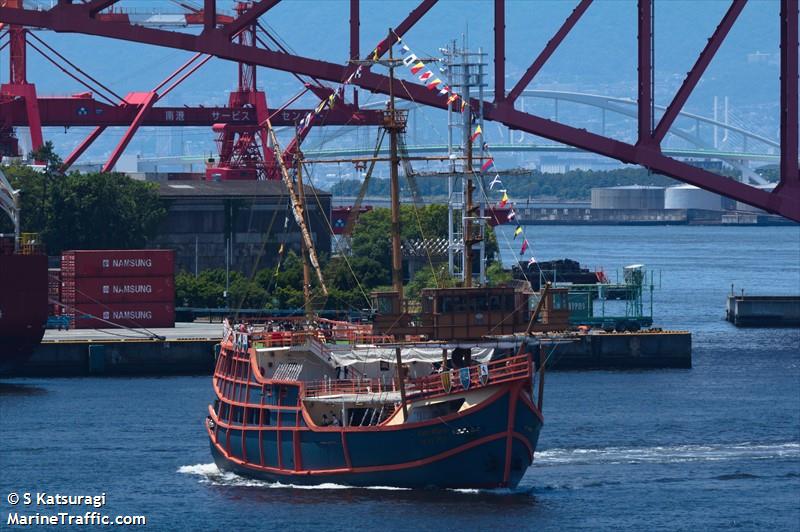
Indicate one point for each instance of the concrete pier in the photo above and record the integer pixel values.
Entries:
(189, 349)
(763, 311)
(186, 349)
(630, 350)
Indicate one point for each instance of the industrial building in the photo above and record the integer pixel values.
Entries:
(686, 196)
(628, 197)
(236, 224)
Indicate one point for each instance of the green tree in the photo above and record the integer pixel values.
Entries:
(85, 211)
(428, 277)
(204, 291)
(371, 241)
(496, 275)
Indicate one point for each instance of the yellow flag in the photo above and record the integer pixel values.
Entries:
(477, 132)
(504, 200)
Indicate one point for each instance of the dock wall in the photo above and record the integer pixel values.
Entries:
(196, 356)
(121, 357)
(639, 350)
(763, 311)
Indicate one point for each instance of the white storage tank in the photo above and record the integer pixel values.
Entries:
(628, 197)
(748, 208)
(691, 197)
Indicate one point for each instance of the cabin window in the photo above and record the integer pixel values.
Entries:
(427, 304)
(560, 301)
(384, 304)
(265, 419)
(477, 304)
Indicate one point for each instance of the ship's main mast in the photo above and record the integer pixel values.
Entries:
(394, 122)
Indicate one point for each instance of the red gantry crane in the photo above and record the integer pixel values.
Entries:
(240, 126)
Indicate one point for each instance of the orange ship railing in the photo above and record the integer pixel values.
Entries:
(496, 372)
(347, 386)
(328, 331)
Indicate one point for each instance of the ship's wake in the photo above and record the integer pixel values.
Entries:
(210, 474)
(668, 454)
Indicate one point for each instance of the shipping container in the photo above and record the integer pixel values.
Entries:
(118, 289)
(118, 263)
(86, 315)
(54, 282)
(54, 290)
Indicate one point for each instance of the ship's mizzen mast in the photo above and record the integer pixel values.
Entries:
(298, 210)
(394, 122)
(394, 126)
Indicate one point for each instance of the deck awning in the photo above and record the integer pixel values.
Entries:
(349, 355)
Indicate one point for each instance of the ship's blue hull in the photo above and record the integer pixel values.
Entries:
(473, 449)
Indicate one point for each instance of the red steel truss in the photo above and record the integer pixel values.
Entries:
(219, 39)
(243, 153)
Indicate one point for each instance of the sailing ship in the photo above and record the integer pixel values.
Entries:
(446, 393)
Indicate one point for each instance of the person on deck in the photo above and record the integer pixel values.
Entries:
(325, 420)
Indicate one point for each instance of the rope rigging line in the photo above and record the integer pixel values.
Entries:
(261, 251)
(416, 197)
(351, 220)
(338, 245)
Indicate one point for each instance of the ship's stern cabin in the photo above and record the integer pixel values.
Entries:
(470, 313)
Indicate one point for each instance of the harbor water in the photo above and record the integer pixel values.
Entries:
(712, 447)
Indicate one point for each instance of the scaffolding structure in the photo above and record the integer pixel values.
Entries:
(466, 71)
